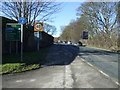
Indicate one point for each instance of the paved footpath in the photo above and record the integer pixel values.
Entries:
(77, 74)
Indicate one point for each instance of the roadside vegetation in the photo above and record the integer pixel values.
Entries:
(105, 48)
(31, 60)
(31, 11)
(100, 20)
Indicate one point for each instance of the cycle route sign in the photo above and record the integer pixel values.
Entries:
(13, 31)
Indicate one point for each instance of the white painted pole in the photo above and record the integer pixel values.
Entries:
(22, 33)
(21, 42)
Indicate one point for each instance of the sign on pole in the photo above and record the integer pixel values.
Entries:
(38, 26)
(84, 35)
(13, 31)
(22, 20)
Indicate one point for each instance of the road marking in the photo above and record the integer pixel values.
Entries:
(90, 64)
(32, 80)
(117, 83)
(19, 81)
(99, 70)
(104, 73)
(114, 64)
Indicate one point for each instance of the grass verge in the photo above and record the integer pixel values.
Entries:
(104, 48)
(17, 67)
(116, 50)
(31, 60)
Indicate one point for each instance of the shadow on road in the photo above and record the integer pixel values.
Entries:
(59, 54)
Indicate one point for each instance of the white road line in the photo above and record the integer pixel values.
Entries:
(19, 81)
(32, 80)
(114, 64)
(90, 64)
(99, 70)
(104, 73)
(117, 83)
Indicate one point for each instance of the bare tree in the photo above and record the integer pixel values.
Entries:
(74, 30)
(50, 29)
(32, 10)
(103, 14)
(102, 19)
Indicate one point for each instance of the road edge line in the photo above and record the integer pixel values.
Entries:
(100, 71)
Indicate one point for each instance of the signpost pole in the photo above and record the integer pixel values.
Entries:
(40, 35)
(22, 33)
(38, 26)
(10, 47)
(38, 40)
(21, 42)
(16, 47)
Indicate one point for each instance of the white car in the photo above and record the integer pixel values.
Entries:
(69, 42)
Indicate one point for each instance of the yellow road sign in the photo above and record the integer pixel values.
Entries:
(38, 26)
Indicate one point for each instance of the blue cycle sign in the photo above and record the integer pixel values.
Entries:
(22, 20)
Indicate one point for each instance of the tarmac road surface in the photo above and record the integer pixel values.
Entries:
(106, 61)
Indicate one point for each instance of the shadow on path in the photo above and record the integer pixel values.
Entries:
(59, 54)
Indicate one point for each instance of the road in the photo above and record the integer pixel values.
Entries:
(106, 61)
(63, 69)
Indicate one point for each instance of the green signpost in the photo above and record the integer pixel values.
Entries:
(13, 31)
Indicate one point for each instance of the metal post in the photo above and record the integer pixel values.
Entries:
(10, 48)
(22, 32)
(38, 40)
(21, 42)
(16, 47)
(40, 35)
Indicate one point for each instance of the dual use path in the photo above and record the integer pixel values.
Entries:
(63, 68)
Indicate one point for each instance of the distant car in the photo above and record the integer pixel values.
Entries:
(69, 42)
(55, 41)
(65, 42)
(61, 41)
(78, 43)
(58, 41)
